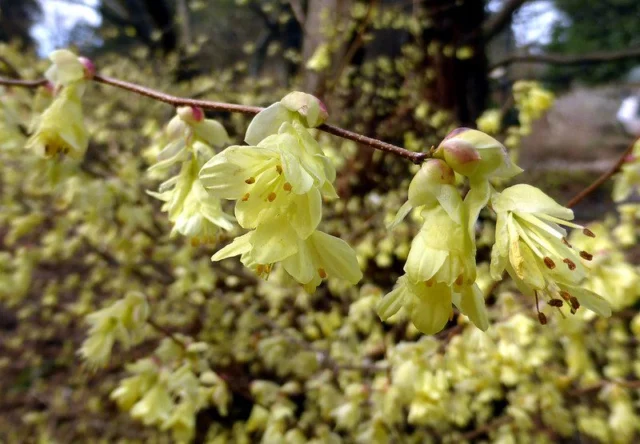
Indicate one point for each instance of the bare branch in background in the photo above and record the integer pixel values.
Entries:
(501, 19)
(571, 59)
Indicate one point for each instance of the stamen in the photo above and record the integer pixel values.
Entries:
(195, 242)
(267, 268)
(250, 180)
(245, 197)
(556, 302)
(429, 283)
(570, 264)
(573, 311)
(260, 269)
(588, 232)
(549, 263)
(459, 280)
(279, 169)
(322, 273)
(542, 318)
(566, 242)
(586, 255)
(271, 197)
(574, 302)
(287, 186)
(565, 295)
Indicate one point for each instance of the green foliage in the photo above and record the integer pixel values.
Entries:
(594, 25)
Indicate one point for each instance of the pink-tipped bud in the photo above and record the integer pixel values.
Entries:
(49, 88)
(89, 67)
(473, 153)
(191, 114)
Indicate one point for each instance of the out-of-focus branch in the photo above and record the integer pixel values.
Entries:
(571, 59)
(498, 21)
(604, 177)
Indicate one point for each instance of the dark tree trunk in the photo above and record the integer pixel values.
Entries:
(460, 86)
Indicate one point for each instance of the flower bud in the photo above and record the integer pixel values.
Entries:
(66, 68)
(310, 107)
(475, 154)
(191, 114)
(89, 67)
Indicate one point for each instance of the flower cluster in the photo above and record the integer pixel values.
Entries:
(533, 248)
(441, 268)
(190, 139)
(61, 129)
(122, 321)
(170, 387)
(279, 184)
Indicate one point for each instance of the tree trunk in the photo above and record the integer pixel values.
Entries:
(321, 16)
(460, 86)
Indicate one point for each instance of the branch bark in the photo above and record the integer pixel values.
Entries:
(160, 96)
(571, 59)
(498, 21)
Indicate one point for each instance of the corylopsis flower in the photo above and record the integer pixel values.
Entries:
(440, 269)
(194, 212)
(278, 185)
(61, 127)
(532, 246)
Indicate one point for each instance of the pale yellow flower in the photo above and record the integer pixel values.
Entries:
(61, 127)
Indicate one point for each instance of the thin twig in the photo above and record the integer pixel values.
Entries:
(23, 83)
(571, 59)
(169, 334)
(234, 108)
(604, 177)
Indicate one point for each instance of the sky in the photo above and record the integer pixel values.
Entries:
(58, 18)
(532, 24)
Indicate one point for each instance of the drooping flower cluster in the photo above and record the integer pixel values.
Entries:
(168, 389)
(61, 128)
(123, 322)
(533, 248)
(278, 184)
(190, 139)
(441, 268)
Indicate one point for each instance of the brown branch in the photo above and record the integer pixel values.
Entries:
(498, 21)
(482, 430)
(604, 177)
(571, 59)
(169, 334)
(23, 83)
(416, 158)
(252, 110)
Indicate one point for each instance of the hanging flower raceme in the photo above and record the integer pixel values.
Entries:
(194, 212)
(440, 269)
(278, 185)
(532, 246)
(61, 129)
(122, 322)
